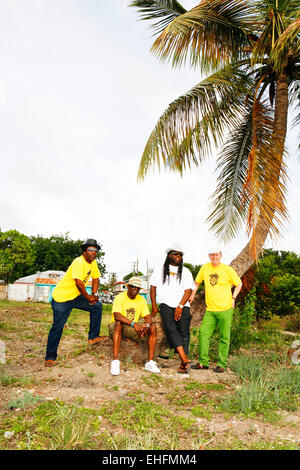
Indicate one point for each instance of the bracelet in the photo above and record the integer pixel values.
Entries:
(132, 323)
(181, 306)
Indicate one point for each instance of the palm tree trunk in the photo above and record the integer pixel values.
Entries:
(244, 259)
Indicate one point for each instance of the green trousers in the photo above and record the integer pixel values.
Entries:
(210, 320)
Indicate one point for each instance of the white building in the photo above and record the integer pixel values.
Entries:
(37, 287)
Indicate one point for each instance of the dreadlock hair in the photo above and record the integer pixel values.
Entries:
(166, 270)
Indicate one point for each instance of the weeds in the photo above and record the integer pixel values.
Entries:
(71, 429)
(27, 400)
(262, 390)
(200, 411)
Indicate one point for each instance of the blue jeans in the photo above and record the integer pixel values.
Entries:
(61, 313)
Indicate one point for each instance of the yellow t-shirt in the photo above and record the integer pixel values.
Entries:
(132, 309)
(218, 282)
(79, 269)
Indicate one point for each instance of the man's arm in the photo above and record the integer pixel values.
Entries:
(95, 285)
(236, 292)
(197, 284)
(81, 287)
(185, 298)
(153, 301)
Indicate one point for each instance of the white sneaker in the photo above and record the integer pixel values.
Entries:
(151, 366)
(115, 367)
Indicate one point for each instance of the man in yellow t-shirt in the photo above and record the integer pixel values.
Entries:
(218, 280)
(127, 309)
(71, 293)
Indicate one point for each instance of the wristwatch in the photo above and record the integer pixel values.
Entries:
(181, 306)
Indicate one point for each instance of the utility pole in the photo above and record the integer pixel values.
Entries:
(149, 272)
(148, 300)
(135, 267)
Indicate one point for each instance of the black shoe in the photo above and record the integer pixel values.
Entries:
(199, 366)
(219, 369)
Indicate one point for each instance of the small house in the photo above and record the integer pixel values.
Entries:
(36, 287)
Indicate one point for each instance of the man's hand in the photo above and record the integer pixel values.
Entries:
(142, 330)
(178, 313)
(93, 299)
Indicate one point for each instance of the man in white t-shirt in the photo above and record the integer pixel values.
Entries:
(171, 287)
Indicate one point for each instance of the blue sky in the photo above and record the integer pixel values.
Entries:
(79, 95)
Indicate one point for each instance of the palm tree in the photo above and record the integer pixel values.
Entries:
(249, 51)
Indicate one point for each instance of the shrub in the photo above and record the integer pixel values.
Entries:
(243, 319)
(293, 322)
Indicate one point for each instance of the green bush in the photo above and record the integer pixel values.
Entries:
(243, 319)
(293, 322)
(275, 280)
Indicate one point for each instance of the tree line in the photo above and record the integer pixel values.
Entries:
(22, 255)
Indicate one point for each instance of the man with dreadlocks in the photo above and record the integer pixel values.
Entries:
(171, 288)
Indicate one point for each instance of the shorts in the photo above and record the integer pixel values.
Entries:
(127, 332)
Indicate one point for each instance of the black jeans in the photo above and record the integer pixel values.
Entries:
(177, 332)
(61, 312)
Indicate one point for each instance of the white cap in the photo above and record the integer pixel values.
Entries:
(174, 247)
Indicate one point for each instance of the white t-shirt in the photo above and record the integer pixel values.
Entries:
(171, 293)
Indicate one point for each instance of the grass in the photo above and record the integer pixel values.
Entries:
(264, 385)
(7, 380)
(262, 389)
(25, 401)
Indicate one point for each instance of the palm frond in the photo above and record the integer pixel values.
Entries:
(295, 104)
(195, 121)
(160, 12)
(227, 214)
(251, 182)
(288, 44)
(211, 34)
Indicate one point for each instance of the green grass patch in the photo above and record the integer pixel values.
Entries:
(133, 414)
(20, 402)
(153, 379)
(204, 386)
(263, 389)
(201, 411)
(7, 380)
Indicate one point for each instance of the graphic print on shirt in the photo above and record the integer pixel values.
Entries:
(130, 313)
(213, 279)
(87, 277)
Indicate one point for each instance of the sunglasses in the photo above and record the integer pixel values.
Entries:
(92, 250)
(177, 253)
(134, 287)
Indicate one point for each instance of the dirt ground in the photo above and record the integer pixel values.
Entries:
(85, 375)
